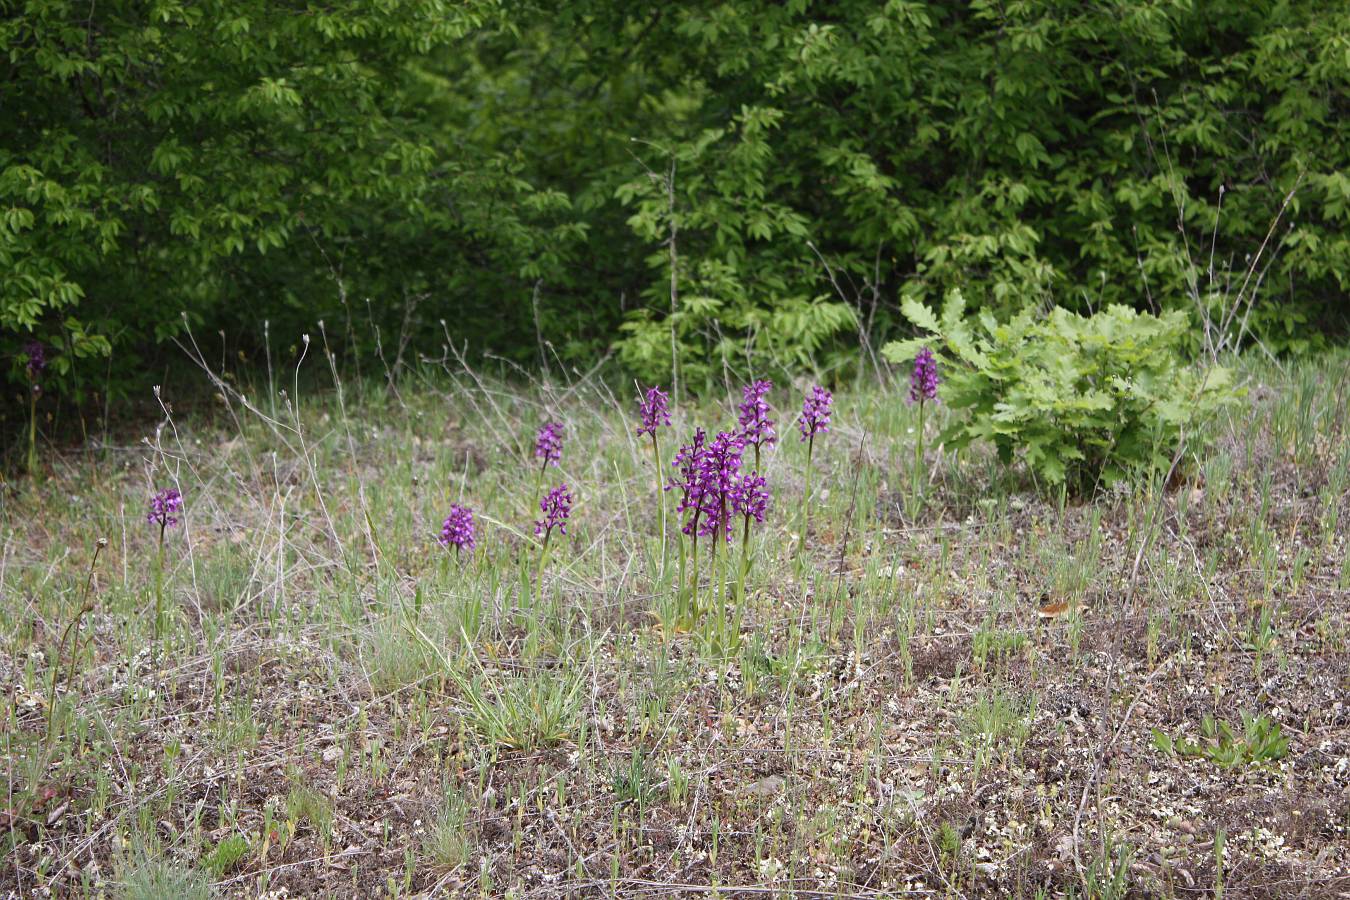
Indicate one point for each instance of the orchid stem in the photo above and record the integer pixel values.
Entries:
(806, 501)
(159, 585)
(661, 499)
(918, 466)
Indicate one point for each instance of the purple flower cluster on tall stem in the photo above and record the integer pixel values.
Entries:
(714, 486)
(715, 490)
(719, 472)
(923, 381)
(458, 530)
(557, 508)
(548, 450)
(164, 508)
(688, 462)
(750, 497)
(756, 428)
(814, 420)
(548, 444)
(654, 407)
(749, 500)
(815, 417)
(923, 387)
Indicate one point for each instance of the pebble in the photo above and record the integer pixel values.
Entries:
(767, 786)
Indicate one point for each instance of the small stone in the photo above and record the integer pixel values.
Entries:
(767, 786)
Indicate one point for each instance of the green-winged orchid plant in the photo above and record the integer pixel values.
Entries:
(923, 389)
(814, 420)
(555, 509)
(548, 444)
(716, 492)
(654, 411)
(165, 508)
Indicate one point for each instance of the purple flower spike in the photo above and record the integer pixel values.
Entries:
(164, 508)
(458, 529)
(719, 471)
(548, 443)
(750, 496)
(688, 462)
(715, 490)
(815, 417)
(556, 507)
(655, 409)
(755, 424)
(923, 381)
(37, 359)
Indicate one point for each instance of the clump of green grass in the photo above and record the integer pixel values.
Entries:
(150, 876)
(528, 711)
(1107, 874)
(396, 658)
(997, 721)
(991, 643)
(306, 805)
(448, 842)
(632, 780)
(225, 855)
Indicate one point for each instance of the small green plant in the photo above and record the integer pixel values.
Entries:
(1220, 839)
(395, 659)
(36, 364)
(1085, 400)
(949, 840)
(304, 804)
(677, 782)
(632, 781)
(86, 606)
(1107, 876)
(150, 876)
(522, 712)
(997, 717)
(994, 643)
(1261, 741)
(225, 855)
(448, 842)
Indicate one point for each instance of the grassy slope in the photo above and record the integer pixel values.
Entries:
(371, 715)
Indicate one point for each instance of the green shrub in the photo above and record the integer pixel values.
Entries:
(1085, 400)
(537, 175)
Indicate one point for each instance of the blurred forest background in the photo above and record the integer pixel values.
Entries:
(748, 185)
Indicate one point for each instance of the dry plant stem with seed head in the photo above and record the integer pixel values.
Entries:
(72, 633)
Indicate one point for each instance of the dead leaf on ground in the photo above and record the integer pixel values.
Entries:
(1053, 610)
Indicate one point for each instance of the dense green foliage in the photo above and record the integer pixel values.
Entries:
(530, 173)
(1086, 400)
